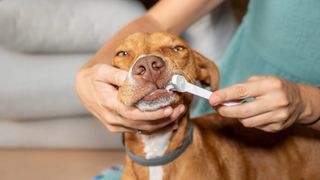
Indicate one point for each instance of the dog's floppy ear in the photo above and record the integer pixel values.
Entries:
(207, 73)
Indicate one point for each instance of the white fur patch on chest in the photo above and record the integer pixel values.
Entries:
(155, 145)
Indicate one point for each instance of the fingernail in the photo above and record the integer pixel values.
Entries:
(214, 100)
(175, 126)
(168, 111)
(181, 109)
(123, 77)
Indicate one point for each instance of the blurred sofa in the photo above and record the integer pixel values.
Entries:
(43, 43)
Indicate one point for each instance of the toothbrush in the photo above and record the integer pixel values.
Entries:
(180, 84)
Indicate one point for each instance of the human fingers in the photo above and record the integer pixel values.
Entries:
(256, 78)
(133, 113)
(272, 127)
(116, 123)
(178, 112)
(125, 116)
(108, 74)
(237, 92)
(258, 106)
(175, 113)
(105, 116)
(172, 120)
(144, 126)
(163, 124)
(272, 121)
(111, 103)
(138, 115)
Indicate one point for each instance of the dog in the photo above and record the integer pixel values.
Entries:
(208, 147)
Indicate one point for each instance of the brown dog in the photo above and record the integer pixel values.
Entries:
(221, 148)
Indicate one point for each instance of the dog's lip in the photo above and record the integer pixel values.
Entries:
(156, 94)
(155, 91)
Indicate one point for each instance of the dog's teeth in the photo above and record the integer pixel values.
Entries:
(169, 87)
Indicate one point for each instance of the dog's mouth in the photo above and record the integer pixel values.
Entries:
(159, 93)
(156, 99)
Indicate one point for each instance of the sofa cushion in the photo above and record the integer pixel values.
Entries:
(38, 86)
(63, 26)
(70, 132)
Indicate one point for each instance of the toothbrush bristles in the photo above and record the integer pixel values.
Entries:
(169, 87)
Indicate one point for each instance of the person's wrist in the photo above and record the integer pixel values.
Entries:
(310, 98)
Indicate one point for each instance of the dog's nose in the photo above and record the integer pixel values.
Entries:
(149, 68)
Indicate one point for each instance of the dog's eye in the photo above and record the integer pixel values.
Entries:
(178, 48)
(122, 53)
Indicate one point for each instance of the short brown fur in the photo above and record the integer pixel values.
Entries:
(222, 148)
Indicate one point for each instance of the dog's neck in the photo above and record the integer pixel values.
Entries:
(158, 144)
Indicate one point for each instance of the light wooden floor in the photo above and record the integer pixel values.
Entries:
(55, 164)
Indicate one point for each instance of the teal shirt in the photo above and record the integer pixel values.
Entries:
(276, 37)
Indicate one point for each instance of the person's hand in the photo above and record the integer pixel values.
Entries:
(97, 89)
(278, 103)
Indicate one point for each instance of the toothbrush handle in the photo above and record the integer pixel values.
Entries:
(193, 89)
(198, 91)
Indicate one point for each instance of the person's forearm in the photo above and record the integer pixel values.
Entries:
(142, 24)
(167, 15)
(311, 113)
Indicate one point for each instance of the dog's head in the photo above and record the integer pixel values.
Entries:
(151, 60)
